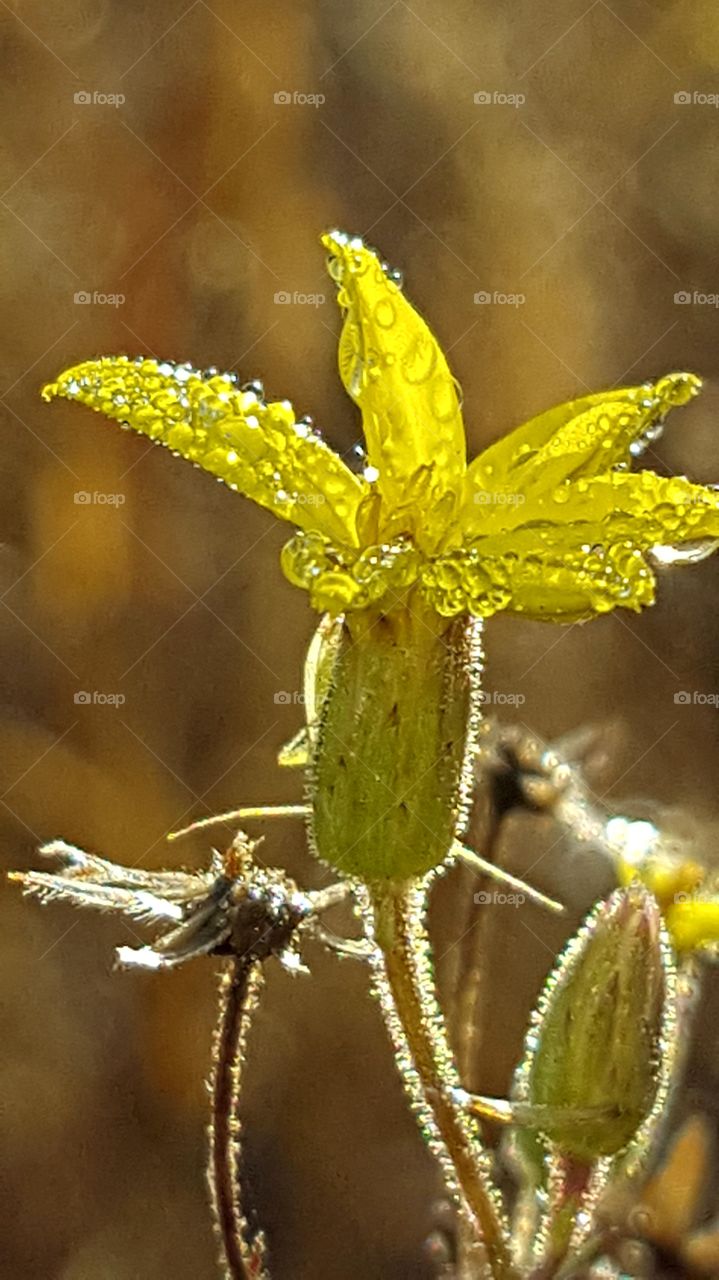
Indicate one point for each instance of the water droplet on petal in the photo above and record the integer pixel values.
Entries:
(688, 553)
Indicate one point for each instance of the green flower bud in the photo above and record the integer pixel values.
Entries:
(591, 1074)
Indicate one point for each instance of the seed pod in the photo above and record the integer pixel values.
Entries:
(597, 1039)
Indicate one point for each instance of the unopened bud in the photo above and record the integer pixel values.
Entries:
(592, 1071)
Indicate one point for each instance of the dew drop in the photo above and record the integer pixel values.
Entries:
(688, 553)
(385, 313)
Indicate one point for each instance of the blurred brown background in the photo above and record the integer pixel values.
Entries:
(198, 198)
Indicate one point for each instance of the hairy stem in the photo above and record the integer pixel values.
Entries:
(243, 1254)
(405, 985)
(572, 1181)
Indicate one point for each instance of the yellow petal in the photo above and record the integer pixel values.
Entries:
(581, 438)
(575, 552)
(693, 924)
(550, 574)
(257, 448)
(393, 368)
(378, 574)
(643, 506)
(667, 878)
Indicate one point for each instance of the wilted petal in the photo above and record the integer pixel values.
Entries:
(86, 880)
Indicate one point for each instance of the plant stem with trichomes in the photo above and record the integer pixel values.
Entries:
(242, 1253)
(404, 984)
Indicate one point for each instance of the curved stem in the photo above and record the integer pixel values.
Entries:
(405, 986)
(243, 1254)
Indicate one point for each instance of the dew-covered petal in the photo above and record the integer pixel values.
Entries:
(579, 439)
(553, 575)
(255, 447)
(338, 582)
(652, 510)
(394, 369)
(581, 550)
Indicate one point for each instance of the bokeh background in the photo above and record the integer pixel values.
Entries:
(581, 186)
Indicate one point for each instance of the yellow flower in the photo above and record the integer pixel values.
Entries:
(687, 897)
(548, 522)
(687, 894)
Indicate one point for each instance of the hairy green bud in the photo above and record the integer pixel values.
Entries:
(592, 1071)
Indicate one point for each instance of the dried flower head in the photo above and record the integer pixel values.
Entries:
(235, 908)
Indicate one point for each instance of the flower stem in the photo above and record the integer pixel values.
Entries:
(572, 1194)
(242, 1252)
(405, 985)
